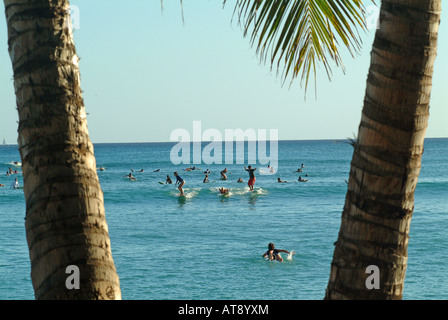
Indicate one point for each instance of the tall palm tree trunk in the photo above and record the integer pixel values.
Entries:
(65, 216)
(387, 154)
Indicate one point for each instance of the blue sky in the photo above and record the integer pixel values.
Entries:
(144, 74)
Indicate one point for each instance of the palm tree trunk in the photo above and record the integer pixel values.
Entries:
(387, 154)
(65, 216)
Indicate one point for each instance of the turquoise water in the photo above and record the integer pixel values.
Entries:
(208, 246)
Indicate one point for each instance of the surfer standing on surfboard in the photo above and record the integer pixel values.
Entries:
(181, 183)
(251, 181)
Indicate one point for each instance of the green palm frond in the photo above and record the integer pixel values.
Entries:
(302, 33)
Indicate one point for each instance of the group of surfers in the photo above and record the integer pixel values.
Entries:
(251, 182)
(180, 182)
(15, 184)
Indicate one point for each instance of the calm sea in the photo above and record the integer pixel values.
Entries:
(208, 246)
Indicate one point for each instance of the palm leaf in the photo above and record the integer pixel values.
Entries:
(300, 34)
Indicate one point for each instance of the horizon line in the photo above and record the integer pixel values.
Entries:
(209, 141)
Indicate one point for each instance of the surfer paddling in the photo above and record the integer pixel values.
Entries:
(251, 181)
(181, 183)
(273, 254)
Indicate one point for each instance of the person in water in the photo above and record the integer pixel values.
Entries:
(168, 180)
(223, 176)
(251, 181)
(206, 179)
(280, 180)
(240, 180)
(223, 191)
(15, 184)
(131, 177)
(302, 180)
(181, 183)
(273, 254)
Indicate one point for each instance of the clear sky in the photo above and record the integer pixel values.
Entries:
(144, 74)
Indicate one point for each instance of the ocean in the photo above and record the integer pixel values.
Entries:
(207, 246)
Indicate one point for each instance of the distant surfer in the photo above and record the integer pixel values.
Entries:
(15, 184)
(302, 180)
(223, 174)
(168, 180)
(240, 180)
(224, 191)
(206, 179)
(181, 183)
(301, 168)
(207, 171)
(251, 181)
(280, 180)
(273, 254)
(130, 176)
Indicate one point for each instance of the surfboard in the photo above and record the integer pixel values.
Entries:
(161, 182)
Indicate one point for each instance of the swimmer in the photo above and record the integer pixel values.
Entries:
(240, 180)
(168, 180)
(302, 180)
(273, 254)
(224, 191)
(2, 185)
(280, 180)
(181, 183)
(206, 179)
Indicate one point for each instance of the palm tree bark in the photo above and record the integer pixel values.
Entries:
(65, 216)
(387, 153)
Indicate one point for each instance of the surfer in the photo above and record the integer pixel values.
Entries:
(252, 179)
(240, 180)
(224, 191)
(280, 180)
(15, 184)
(302, 180)
(181, 183)
(206, 179)
(131, 177)
(207, 171)
(168, 180)
(273, 254)
(223, 176)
